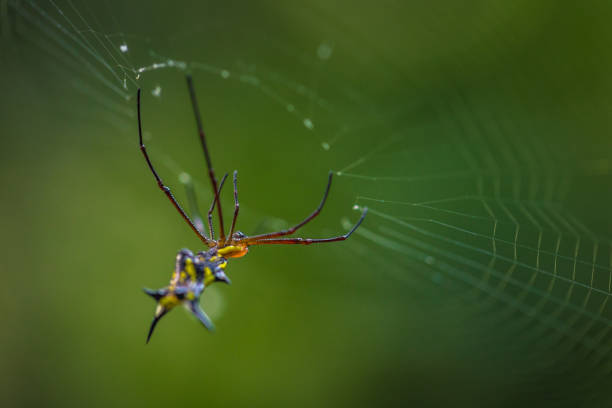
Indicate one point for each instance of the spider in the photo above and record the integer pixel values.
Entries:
(192, 273)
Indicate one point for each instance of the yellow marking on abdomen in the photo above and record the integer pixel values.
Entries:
(190, 269)
(169, 301)
(208, 276)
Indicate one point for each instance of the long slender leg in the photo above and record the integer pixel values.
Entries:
(211, 171)
(193, 202)
(308, 241)
(236, 205)
(212, 207)
(160, 183)
(298, 226)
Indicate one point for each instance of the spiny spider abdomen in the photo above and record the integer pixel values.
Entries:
(192, 274)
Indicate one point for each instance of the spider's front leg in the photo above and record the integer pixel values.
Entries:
(165, 189)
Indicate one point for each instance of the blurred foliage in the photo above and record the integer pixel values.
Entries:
(352, 324)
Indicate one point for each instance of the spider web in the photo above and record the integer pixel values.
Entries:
(473, 191)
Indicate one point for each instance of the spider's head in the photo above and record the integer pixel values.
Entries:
(191, 275)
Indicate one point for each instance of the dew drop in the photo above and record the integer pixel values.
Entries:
(308, 123)
(325, 146)
(356, 207)
(324, 51)
(214, 303)
(346, 224)
(123, 48)
(225, 73)
(184, 178)
(157, 91)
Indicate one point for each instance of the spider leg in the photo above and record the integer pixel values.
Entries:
(236, 205)
(193, 202)
(291, 230)
(212, 207)
(161, 184)
(211, 171)
(308, 241)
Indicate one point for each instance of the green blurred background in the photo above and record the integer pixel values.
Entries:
(504, 104)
